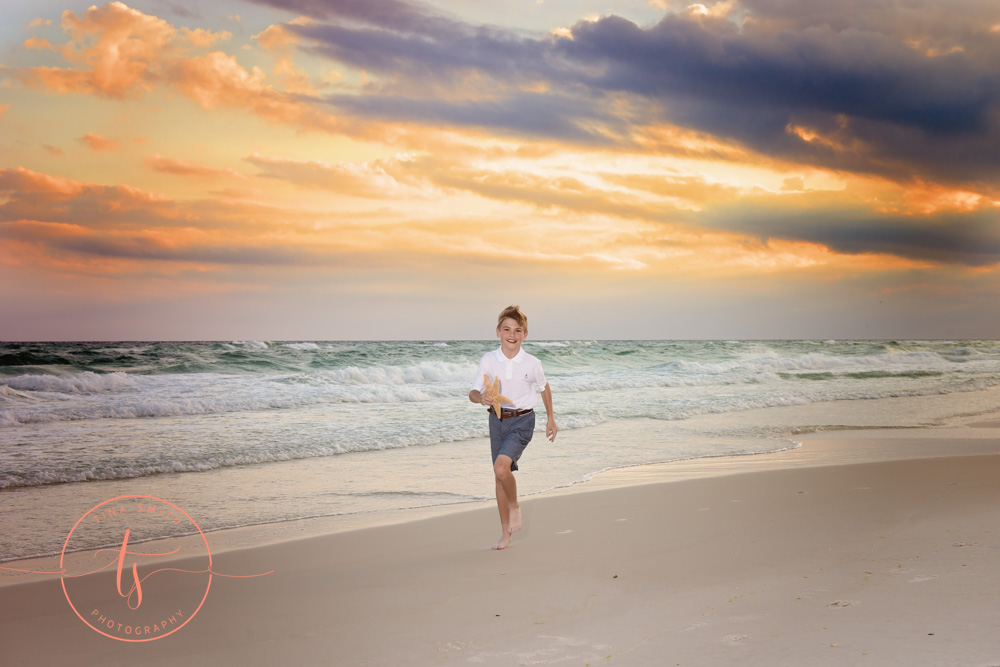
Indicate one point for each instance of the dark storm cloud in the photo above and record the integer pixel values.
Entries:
(437, 54)
(425, 60)
(863, 75)
(902, 106)
(890, 108)
(970, 239)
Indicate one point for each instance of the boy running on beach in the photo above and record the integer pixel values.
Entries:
(511, 430)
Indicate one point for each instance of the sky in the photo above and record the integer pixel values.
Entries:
(385, 169)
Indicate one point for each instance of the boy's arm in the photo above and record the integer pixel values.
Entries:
(550, 429)
(478, 392)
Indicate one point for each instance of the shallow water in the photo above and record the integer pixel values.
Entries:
(256, 432)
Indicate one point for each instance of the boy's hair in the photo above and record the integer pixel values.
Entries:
(514, 313)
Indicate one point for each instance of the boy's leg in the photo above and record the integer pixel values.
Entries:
(507, 504)
(510, 437)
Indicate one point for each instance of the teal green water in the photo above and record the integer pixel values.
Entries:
(81, 419)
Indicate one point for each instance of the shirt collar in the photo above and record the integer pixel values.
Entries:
(503, 357)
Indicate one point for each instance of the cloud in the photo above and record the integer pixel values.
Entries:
(22, 181)
(180, 167)
(429, 69)
(38, 43)
(278, 38)
(794, 183)
(61, 217)
(355, 179)
(922, 225)
(117, 51)
(850, 80)
(31, 195)
(394, 14)
(864, 88)
(3, 109)
(779, 84)
(970, 239)
(521, 114)
(806, 82)
(436, 51)
(139, 246)
(217, 79)
(281, 41)
(99, 143)
(121, 52)
(202, 38)
(566, 192)
(864, 75)
(117, 45)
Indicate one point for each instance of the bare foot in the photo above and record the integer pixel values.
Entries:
(515, 520)
(503, 543)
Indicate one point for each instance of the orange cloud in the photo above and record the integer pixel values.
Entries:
(119, 51)
(357, 179)
(203, 38)
(38, 43)
(98, 143)
(929, 198)
(216, 79)
(3, 109)
(125, 229)
(278, 39)
(119, 44)
(31, 195)
(183, 168)
(682, 142)
(27, 181)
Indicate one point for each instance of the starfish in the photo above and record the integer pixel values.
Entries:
(493, 393)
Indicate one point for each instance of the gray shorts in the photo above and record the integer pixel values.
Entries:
(510, 436)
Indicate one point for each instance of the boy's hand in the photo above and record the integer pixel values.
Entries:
(551, 429)
(479, 397)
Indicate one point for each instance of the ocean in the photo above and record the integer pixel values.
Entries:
(253, 432)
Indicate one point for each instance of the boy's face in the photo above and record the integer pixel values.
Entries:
(511, 334)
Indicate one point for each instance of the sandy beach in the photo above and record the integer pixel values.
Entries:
(860, 547)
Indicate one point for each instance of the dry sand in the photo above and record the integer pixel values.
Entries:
(852, 550)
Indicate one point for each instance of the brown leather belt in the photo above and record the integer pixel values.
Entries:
(504, 414)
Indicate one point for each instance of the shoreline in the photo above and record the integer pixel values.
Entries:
(268, 503)
(809, 556)
(823, 448)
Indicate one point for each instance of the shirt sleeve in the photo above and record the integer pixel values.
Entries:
(540, 378)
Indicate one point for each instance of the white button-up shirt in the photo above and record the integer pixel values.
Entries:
(518, 377)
